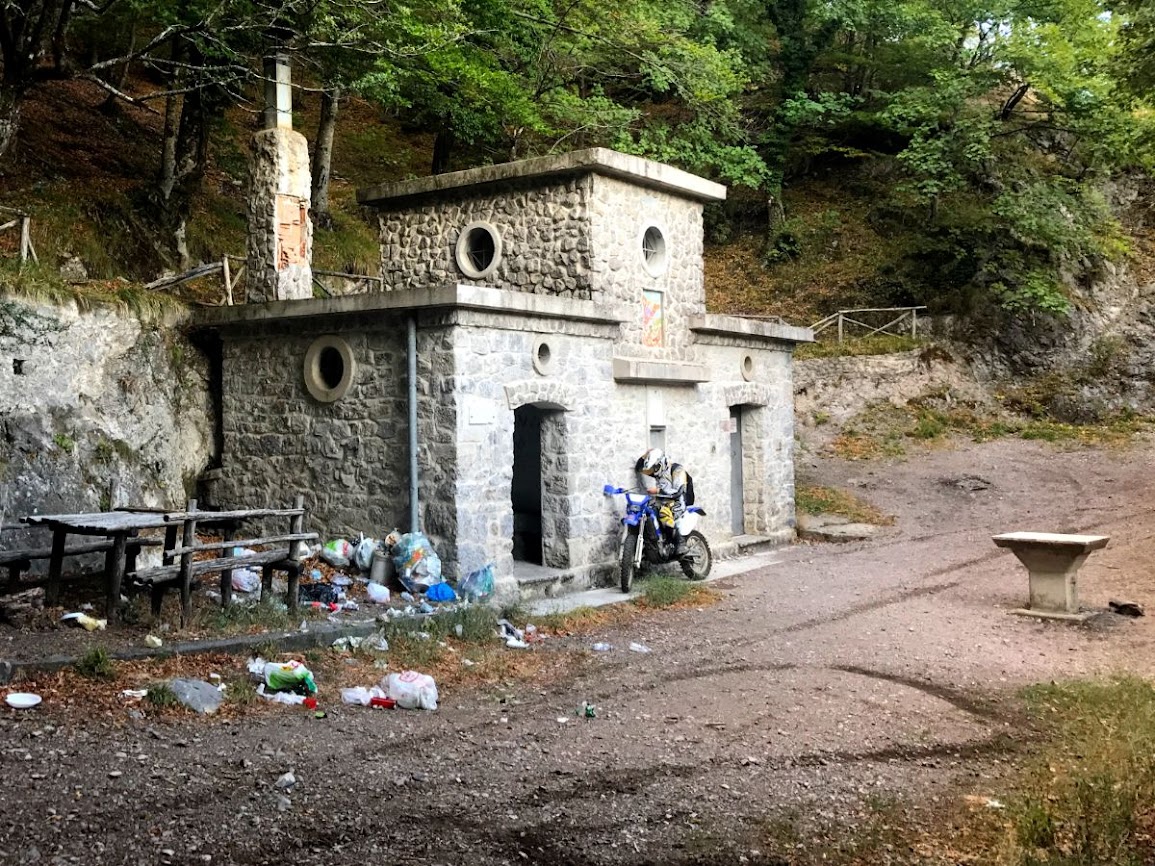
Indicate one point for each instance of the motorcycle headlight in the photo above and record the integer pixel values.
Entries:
(638, 499)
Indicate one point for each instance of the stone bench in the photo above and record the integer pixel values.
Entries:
(1053, 561)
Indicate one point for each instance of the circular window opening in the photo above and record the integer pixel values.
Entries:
(478, 250)
(748, 368)
(542, 357)
(654, 250)
(329, 369)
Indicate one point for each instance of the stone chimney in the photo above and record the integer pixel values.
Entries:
(280, 242)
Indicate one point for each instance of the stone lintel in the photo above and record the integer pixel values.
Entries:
(636, 371)
(751, 330)
(596, 160)
(458, 296)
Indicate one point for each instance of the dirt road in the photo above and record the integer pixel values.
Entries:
(826, 677)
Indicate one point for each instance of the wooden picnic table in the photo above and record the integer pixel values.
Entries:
(119, 526)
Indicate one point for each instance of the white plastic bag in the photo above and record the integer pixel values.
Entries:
(412, 690)
(378, 594)
(246, 580)
(363, 553)
(337, 552)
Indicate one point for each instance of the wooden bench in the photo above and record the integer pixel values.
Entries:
(19, 560)
(180, 568)
(1053, 561)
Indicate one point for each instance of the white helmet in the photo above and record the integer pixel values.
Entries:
(653, 463)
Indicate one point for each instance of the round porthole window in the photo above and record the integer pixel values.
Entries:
(748, 368)
(654, 250)
(542, 357)
(478, 251)
(329, 369)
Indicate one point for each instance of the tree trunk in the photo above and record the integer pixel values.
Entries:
(323, 157)
(442, 146)
(10, 100)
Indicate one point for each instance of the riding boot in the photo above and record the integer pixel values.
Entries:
(680, 548)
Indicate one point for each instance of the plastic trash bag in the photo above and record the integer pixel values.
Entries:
(441, 592)
(246, 580)
(320, 592)
(478, 584)
(378, 594)
(363, 553)
(289, 676)
(418, 565)
(412, 690)
(337, 552)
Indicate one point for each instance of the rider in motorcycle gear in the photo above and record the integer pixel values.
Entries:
(658, 476)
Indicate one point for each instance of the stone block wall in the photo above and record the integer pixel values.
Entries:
(543, 228)
(348, 457)
(280, 238)
(620, 212)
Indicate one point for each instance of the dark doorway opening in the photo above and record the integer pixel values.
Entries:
(525, 491)
(737, 479)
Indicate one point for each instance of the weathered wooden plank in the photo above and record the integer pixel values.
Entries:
(217, 516)
(252, 542)
(206, 566)
(191, 274)
(7, 556)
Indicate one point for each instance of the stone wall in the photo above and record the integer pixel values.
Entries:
(543, 228)
(280, 237)
(97, 409)
(620, 212)
(348, 457)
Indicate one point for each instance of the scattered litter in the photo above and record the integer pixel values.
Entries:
(371, 697)
(516, 643)
(563, 720)
(283, 676)
(350, 605)
(153, 641)
(478, 584)
(342, 580)
(509, 630)
(412, 690)
(320, 592)
(588, 710)
(287, 698)
(440, 592)
(407, 596)
(602, 647)
(337, 552)
(377, 643)
(418, 565)
(287, 781)
(246, 580)
(467, 663)
(426, 608)
(1126, 608)
(22, 700)
(197, 695)
(83, 620)
(363, 553)
(459, 630)
(87, 608)
(344, 644)
(532, 635)
(134, 694)
(639, 648)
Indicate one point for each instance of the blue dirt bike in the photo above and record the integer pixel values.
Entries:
(645, 540)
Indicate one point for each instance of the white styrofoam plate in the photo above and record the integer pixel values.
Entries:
(22, 700)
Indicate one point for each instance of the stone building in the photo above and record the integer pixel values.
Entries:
(559, 321)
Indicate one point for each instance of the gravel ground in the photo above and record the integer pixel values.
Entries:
(832, 675)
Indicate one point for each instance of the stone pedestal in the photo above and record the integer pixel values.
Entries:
(1053, 563)
(280, 243)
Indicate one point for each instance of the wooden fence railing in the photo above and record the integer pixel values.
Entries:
(24, 222)
(896, 321)
(354, 284)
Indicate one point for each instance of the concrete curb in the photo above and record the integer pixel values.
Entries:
(319, 635)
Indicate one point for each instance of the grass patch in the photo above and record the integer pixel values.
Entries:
(815, 499)
(240, 618)
(877, 344)
(161, 695)
(96, 664)
(884, 430)
(241, 691)
(665, 591)
(42, 284)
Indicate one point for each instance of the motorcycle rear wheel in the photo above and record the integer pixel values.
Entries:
(698, 560)
(626, 567)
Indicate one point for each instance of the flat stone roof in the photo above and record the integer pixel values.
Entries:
(741, 328)
(455, 295)
(598, 160)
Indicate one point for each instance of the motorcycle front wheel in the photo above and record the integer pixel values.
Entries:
(629, 555)
(698, 560)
